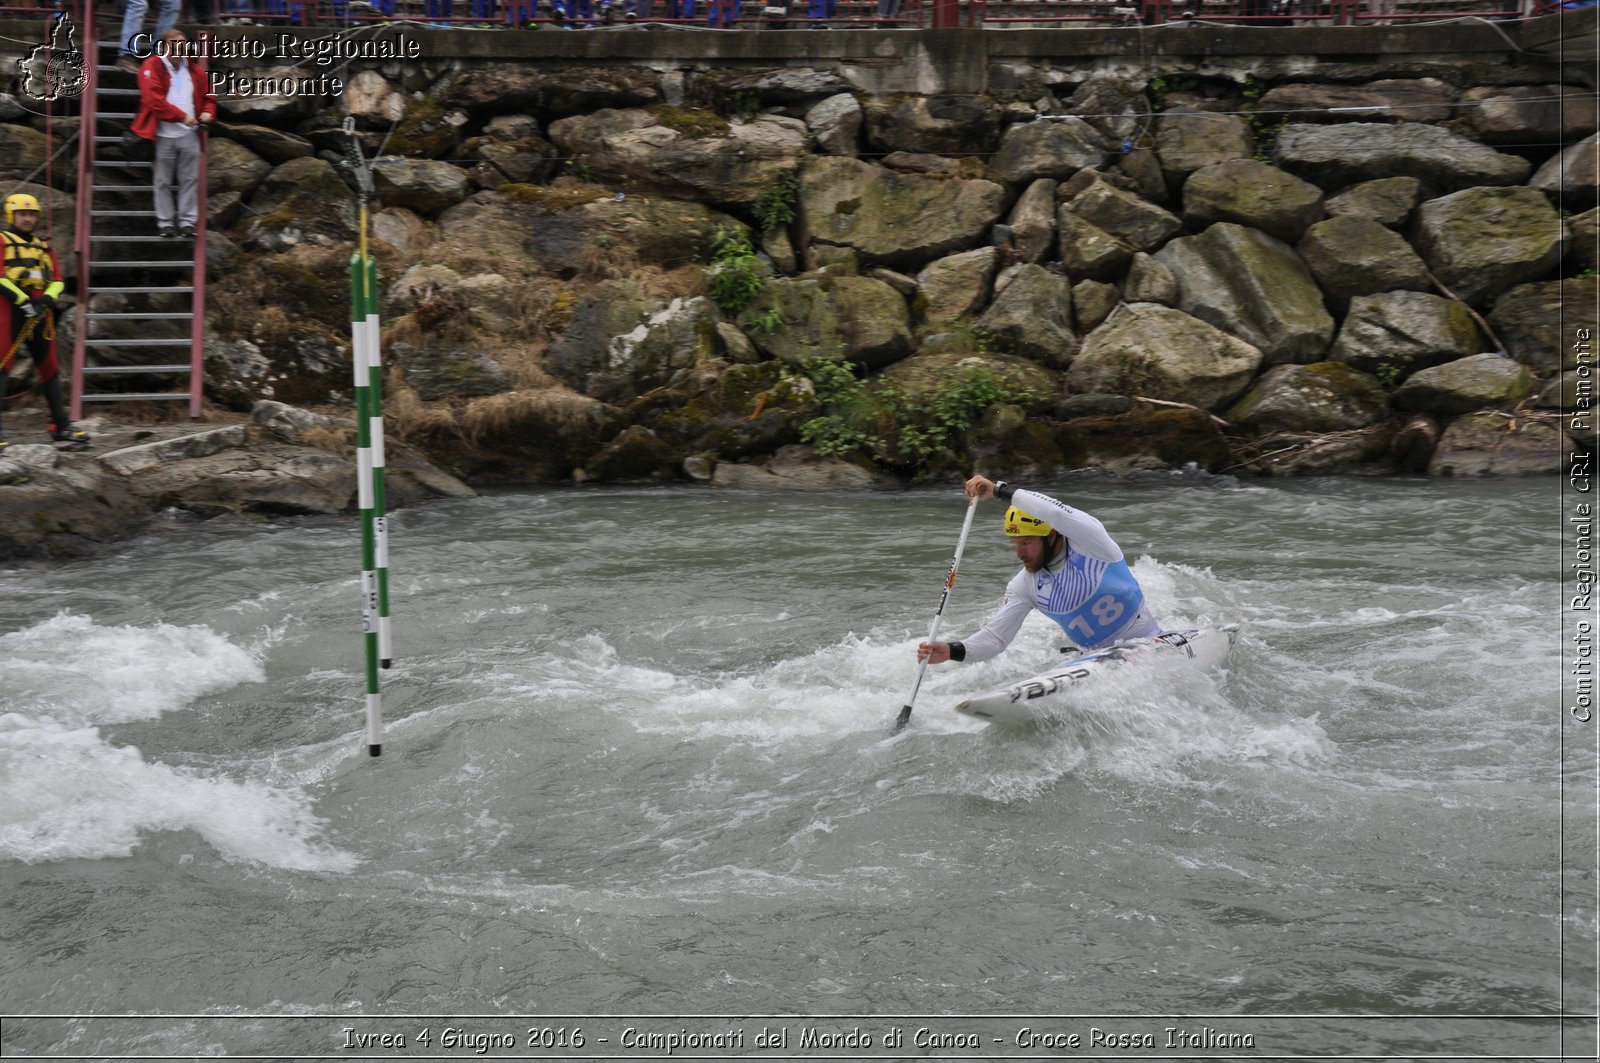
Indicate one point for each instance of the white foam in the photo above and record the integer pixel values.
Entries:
(74, 669)
(66, 792)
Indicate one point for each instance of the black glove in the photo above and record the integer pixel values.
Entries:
(29, 310)
(48, 302)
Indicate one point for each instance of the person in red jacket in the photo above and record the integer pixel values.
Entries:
(175, 104)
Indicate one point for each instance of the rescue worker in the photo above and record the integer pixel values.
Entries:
(1072, 571)
(28, 293)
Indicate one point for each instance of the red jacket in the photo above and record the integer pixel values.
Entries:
(154, 81)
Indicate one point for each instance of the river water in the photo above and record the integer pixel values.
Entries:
(637, 785)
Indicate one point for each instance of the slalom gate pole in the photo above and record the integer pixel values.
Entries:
(380, 504)
(359, 300)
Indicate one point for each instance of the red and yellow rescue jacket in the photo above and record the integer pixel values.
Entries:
(30, 267)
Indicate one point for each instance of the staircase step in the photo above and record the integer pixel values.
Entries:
(125, 188)
(137, 396)
(132, 370)
(122, 214)
(131, 315)
(137, 289)
(144, 263)
(184, 342)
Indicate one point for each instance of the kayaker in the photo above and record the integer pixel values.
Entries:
(1072, 571)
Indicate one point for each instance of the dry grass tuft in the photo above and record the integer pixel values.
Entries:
(335, 440)
(498, 414)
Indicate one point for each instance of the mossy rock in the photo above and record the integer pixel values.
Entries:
(1321, 397)
(1145, 439)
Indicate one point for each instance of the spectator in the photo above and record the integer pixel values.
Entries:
(133, 21)
(680, 10)
(889, 10)
(175, 104)
(820, 11)
(29, 288)
(722, 12)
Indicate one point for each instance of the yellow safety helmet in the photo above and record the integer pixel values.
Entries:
(19, 201)
(1020, 524)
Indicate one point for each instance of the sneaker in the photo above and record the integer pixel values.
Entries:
(68, 434)
(187, 232)
(169, 232)
(128, 63)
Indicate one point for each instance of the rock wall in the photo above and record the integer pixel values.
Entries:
(647, 256)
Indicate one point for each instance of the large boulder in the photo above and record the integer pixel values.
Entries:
(685, 155)
(1520, 115)
(856, 319)
(1388, 201)
(567, 239)
(795, 467)
(666, 344)
(1055, 148)
(448, 371)
(614, 308)
(1120, 213)
(1031, 316)
(957, 285)
(509, 88)
(232, 167)
(1254, 194)
(1086, 250)
(1481, 381)
(1186, 142)
(1393, 334)
(1029, 385)
(1481, 241)
(1572, 175)
(1339, 155)
(274, 145)
(1488, 444)
(1404, 100)
(1033, 221)
(1144, 440)
(941, 125)
(422, 185)
(1160, 353)
(894, 219)
(1115, 106)
(1250, 284)
(1320, 397)
(1542, 324)
(1353, 256)
(301, 201)
(836, 124)
(496, 161)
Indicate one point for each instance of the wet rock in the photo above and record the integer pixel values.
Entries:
(1253, 194)
(1054, 148)
(1157, 352)
(1118, 212)
(1538, 323)
(1143, 440)
(1481, 241)
(854, 319)
(1032, 316)
(1481, 381)
(836, 123)
(1393, 334)
(1253, 286)
(1351, 256)
(1388, 201)
(898, 220)
(942, 125)
(957, 285)
(1186, 142)
(1488, 444)
(795, 467)
(1573, 175)
(421, 185)
(1032, 221)
(1339, 155)
(1321, 397)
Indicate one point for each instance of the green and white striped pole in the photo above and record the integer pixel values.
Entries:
(364, 490)
(380, 505)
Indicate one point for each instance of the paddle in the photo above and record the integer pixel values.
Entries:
(938, 615)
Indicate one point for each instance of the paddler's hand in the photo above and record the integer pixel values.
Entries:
(933, 652)
(980, 487)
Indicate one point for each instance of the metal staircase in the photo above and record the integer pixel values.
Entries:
(140, 332)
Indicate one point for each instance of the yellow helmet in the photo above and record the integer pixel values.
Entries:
(19, 201)
(1020, 524)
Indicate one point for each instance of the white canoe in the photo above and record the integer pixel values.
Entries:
(1054, 691)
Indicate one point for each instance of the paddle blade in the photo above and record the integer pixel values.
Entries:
(901, 720)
